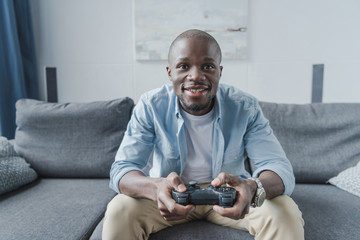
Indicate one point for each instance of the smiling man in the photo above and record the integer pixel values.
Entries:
(198, 129)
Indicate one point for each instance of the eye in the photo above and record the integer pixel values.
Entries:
(208, 67)
(182, 66)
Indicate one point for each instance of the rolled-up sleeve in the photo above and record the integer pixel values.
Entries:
(136, 146)
(265, 151)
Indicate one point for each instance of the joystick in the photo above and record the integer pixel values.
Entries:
(222, 196)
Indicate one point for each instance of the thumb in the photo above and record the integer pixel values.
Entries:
(176, 182)
(224, 178)
(180, 188)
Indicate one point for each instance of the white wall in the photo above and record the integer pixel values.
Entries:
(91, 43)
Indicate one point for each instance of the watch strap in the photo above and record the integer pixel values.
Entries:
(260, 189)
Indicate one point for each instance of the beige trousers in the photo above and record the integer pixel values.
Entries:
(129, 218)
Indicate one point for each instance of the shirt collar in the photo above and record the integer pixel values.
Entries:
(218, 104)
(177, 108)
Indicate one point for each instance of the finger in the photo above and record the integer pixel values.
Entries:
(219, 180)
(237, 211)
(167, 204)
(180, 214)
(224, 178)
(226, 212)
(176, 182)
(176, 212)
(234, 212)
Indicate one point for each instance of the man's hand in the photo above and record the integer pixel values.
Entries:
(135, 184)
(245, 190)
(169, 209)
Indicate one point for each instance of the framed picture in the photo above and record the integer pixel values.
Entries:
(158, 22)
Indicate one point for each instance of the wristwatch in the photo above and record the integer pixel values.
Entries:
(260, 195)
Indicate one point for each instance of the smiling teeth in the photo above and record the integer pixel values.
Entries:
(196, 90)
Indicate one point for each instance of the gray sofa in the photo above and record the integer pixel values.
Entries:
(71, 148)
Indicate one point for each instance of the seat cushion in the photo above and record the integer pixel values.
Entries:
(329, 212)
(193, 230)
(200, 230)
(54, 209)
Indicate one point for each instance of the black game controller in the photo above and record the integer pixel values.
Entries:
(222, 196)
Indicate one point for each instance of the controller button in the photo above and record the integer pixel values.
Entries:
(226, 201)
(192, 183)
(182, 201)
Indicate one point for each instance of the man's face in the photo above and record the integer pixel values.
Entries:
(195, 71)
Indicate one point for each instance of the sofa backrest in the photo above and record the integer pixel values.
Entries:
(320, 139)
(71, 139)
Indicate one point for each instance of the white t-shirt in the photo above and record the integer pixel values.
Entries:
(199, 139)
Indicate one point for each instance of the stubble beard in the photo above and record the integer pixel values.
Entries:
(196, 107)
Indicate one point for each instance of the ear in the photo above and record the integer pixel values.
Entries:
(168, 72)
(221, 68)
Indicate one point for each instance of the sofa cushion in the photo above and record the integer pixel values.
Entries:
(320, 140)
(54, 209)
(199, 229)
(14, 170)
(328, 212)
(71, 139)
(348, 180)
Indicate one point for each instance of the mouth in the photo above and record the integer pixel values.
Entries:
(196, 90)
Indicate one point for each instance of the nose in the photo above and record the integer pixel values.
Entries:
(194, 74)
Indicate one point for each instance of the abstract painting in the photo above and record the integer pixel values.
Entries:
(158, 22)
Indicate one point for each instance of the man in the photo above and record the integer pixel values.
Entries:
(198, 129)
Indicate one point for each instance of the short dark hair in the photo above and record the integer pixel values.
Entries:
(197, 34)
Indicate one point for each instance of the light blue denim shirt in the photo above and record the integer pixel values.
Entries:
(156, 129)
